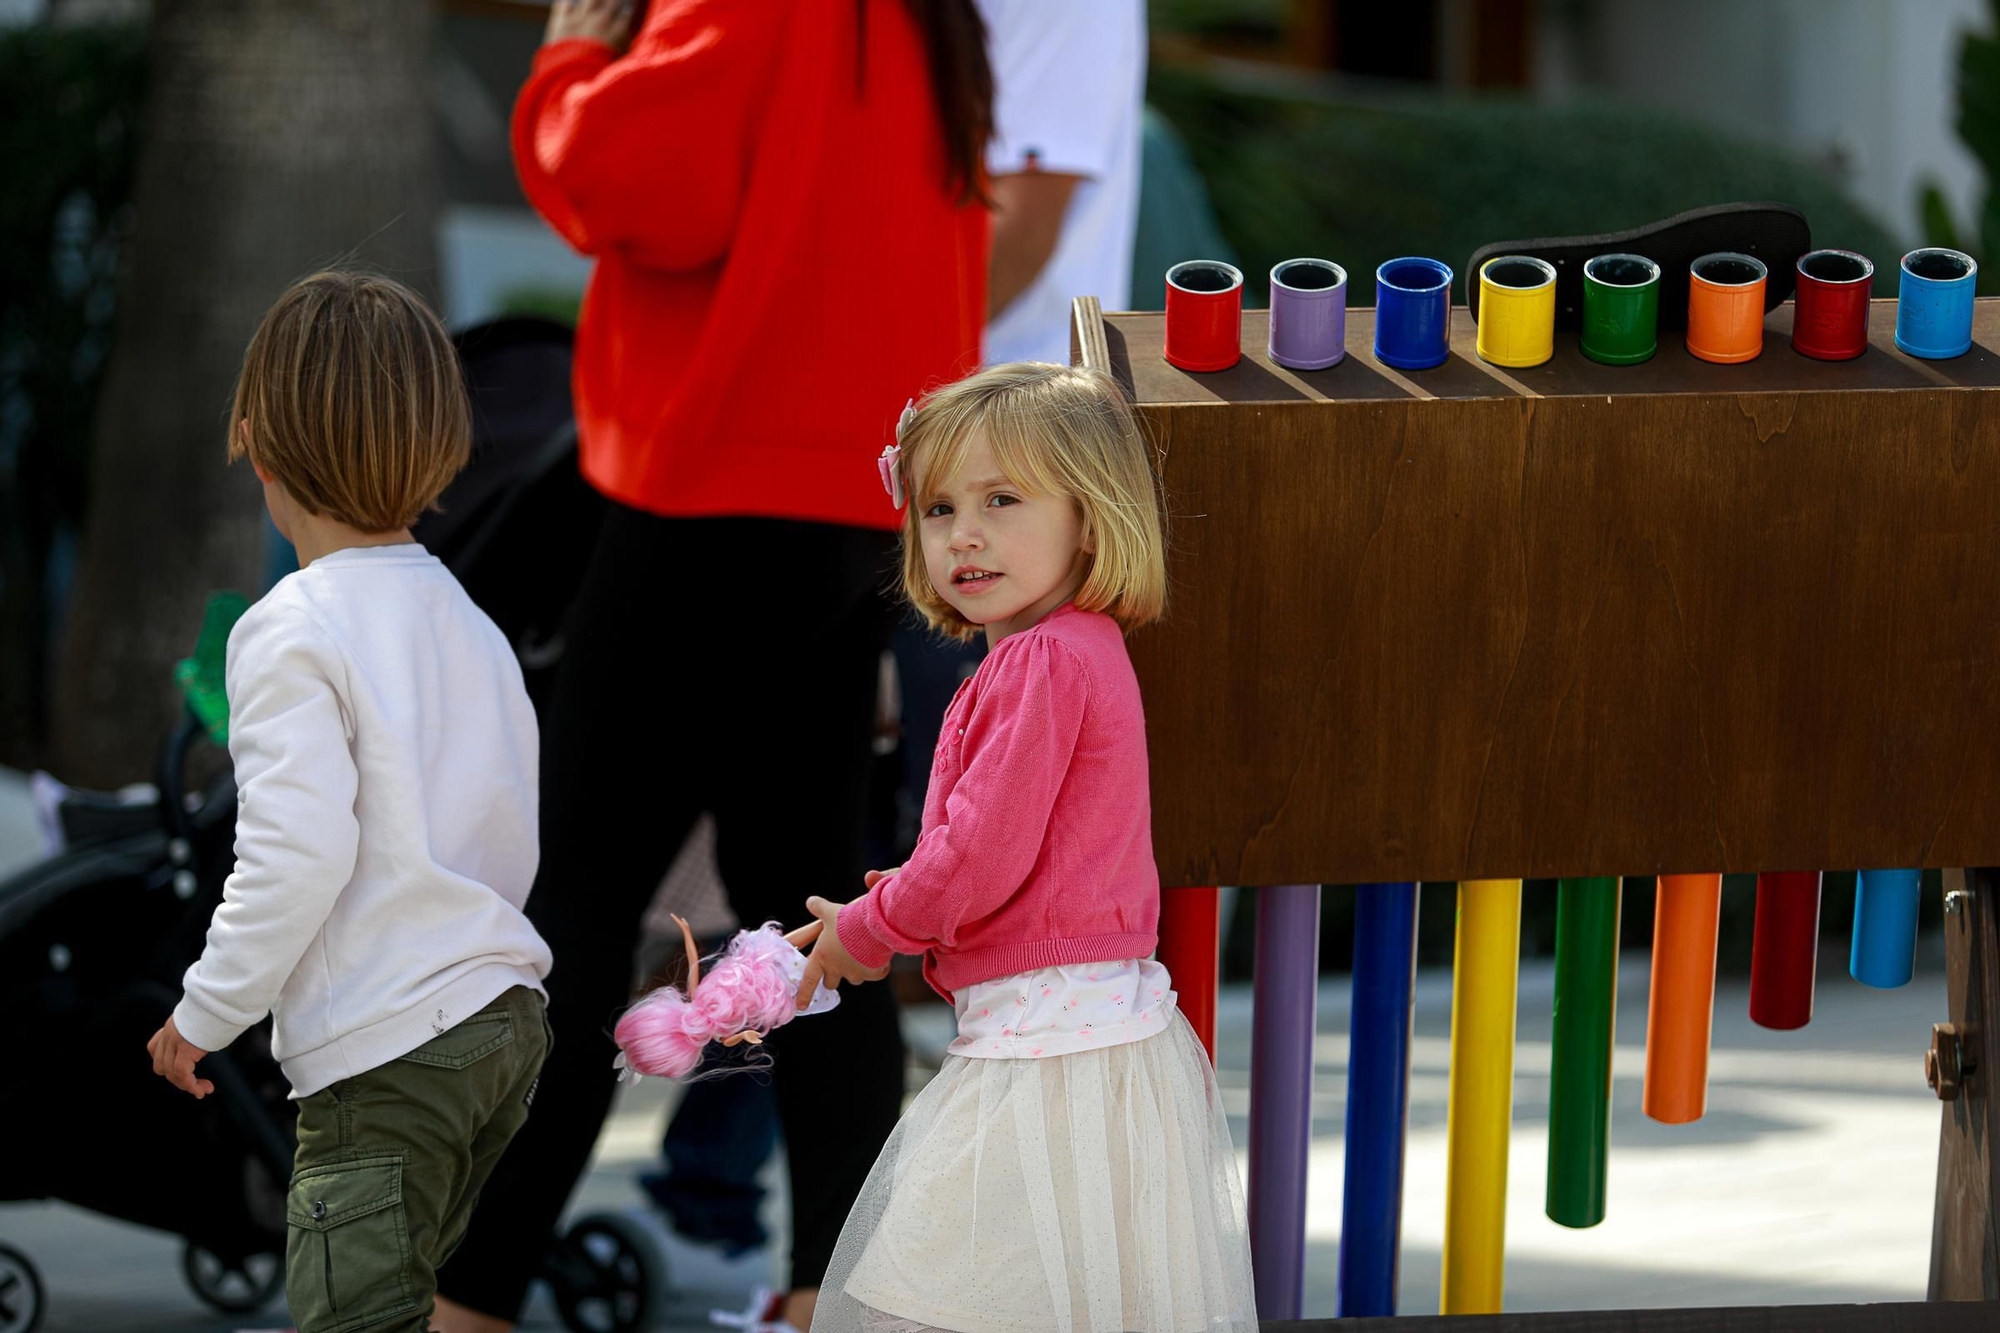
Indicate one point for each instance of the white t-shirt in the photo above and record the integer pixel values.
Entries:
(1069, 83)
(385, 757)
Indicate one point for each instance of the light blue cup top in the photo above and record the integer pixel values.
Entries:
(1934, 303)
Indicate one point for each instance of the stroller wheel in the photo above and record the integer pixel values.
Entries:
(607, 1276)
(240, 1286)
(21, 1296)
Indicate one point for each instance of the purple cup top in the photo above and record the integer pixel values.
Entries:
(1308, 277)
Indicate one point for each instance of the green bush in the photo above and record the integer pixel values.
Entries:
(1979, 129)
(542, 301)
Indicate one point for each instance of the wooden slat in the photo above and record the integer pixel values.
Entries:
(1660, 619)
(1884, 1318)
(1136, 341)
(1087, 347)
(1965, 1251)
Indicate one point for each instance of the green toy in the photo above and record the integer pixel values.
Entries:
(201, 676)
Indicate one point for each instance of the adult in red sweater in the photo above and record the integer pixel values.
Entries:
(782, 197)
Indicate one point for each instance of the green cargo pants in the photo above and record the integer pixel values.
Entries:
(390, 1164)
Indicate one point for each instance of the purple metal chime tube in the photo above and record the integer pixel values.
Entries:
(1286, 987)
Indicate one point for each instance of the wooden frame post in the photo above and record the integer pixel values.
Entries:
(1962, 1062)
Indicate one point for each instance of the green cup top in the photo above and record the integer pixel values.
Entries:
(1622, 271)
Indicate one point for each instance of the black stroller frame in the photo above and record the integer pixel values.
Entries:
(92, 942)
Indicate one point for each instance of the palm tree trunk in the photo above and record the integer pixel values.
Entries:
(281, 136)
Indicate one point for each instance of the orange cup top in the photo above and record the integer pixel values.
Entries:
(1726, 307)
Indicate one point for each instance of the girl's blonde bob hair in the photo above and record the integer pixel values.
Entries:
(1055, 430)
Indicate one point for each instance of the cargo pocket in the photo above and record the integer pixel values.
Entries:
(473, 1040)
(347, 1261)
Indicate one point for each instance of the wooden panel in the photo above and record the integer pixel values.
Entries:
(1670, 618)
(1965, 1251)
(1887, 1318)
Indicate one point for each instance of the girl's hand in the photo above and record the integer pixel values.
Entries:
(829, 960)
(607, 21)
(874, 877)
(174, 1059)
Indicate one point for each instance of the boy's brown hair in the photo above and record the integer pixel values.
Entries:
(352, 392)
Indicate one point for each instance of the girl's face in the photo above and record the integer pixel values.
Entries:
(1002, 556)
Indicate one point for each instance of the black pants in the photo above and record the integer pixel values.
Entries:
(727, 665)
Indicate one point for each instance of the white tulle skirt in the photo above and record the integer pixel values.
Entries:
(1087, 1190)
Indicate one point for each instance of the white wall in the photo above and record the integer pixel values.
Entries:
(483, 252)
(1867, 87)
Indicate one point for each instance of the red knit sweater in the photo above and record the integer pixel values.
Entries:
(779, 263)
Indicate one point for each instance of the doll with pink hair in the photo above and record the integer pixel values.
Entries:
(750, 989)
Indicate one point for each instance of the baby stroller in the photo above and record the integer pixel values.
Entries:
(94, 938)
(93, 941)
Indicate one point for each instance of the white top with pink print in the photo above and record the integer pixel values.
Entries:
(1062, 1009)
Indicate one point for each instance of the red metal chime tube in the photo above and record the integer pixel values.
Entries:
(1784, 950)
(1190, 937)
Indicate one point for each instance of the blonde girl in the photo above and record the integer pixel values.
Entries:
(1070, 1166)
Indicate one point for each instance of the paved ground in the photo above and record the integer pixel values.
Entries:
(1810, 1180)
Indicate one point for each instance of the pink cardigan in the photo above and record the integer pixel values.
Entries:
(1038, 840)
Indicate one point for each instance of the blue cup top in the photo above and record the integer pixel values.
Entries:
(1936, 264)
(1413, 275)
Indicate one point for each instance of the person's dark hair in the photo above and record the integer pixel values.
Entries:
(954, 40)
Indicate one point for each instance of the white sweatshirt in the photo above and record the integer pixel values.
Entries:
(385, 757)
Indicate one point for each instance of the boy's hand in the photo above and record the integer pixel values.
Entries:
(174, 1059)
(829, 960)
(607, 21)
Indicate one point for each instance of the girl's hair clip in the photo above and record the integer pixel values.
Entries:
(890, 464)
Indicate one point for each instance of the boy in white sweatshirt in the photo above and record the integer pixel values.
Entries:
(385, 755)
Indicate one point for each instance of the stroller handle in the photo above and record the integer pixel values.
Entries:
(173, 785)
